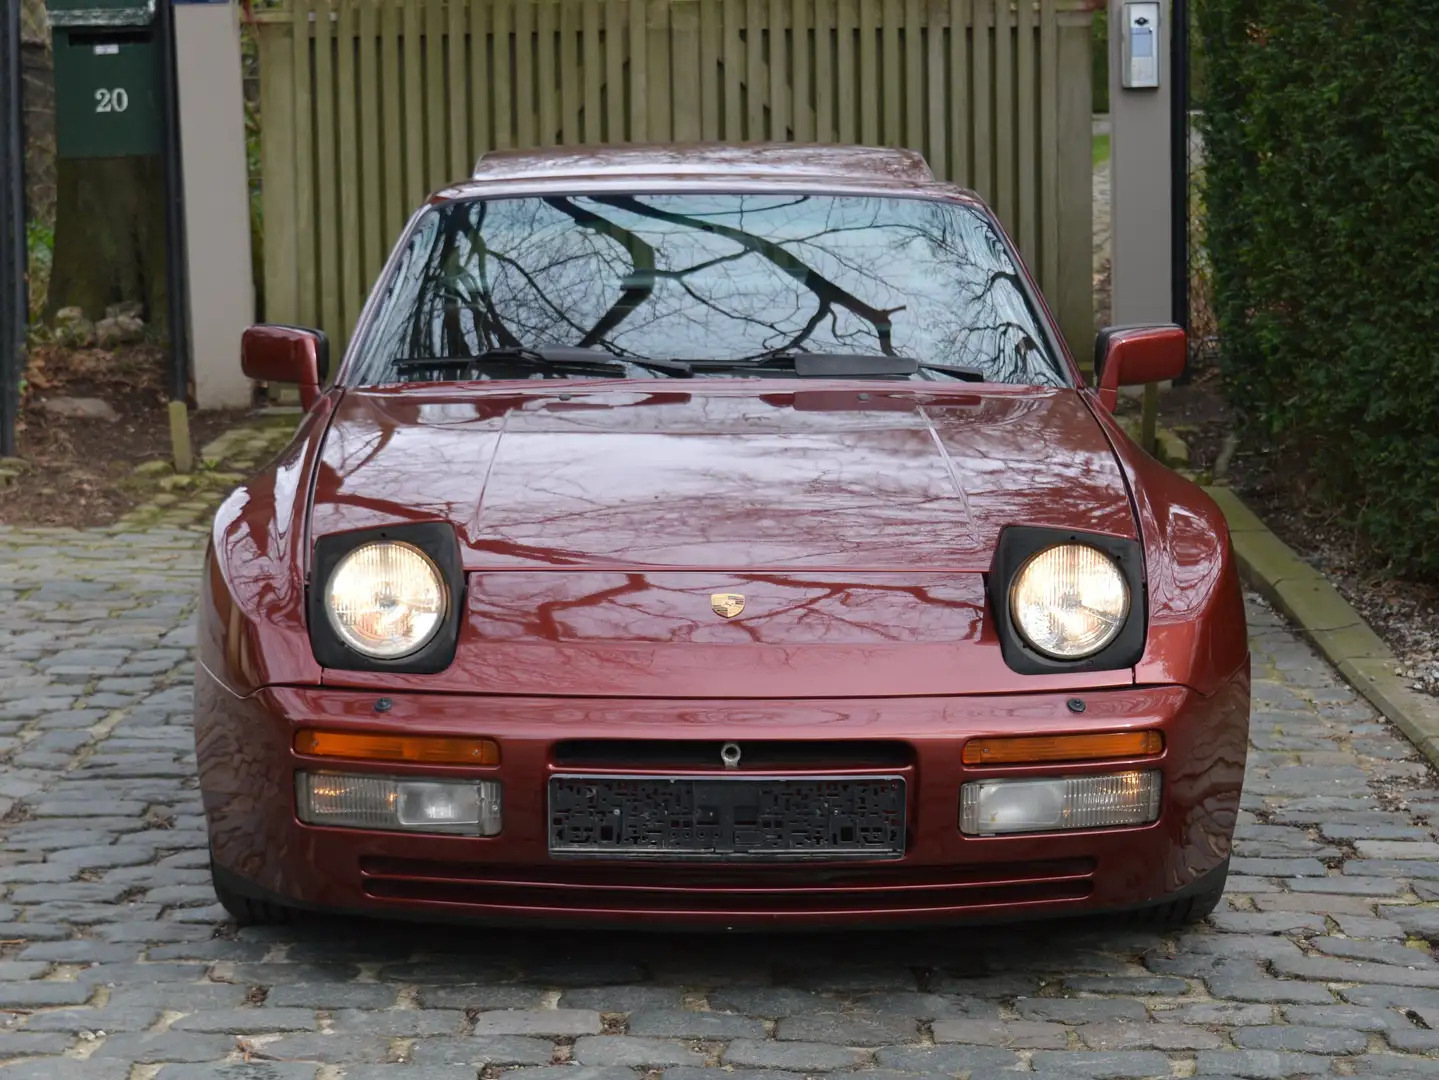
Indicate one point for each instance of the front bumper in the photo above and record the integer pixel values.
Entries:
(247, 771)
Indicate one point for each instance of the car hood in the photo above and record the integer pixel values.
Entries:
(597, 522)
(891, 479)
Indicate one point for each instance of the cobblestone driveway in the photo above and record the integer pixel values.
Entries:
(117, 964)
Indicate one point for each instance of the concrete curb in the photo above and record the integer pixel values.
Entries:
(1272, 569)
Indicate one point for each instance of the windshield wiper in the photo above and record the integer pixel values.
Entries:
(571, 358)
(820, 365)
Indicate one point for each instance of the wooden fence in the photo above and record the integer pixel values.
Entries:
(372, 104)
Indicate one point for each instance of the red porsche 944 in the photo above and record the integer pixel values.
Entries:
(716, 537)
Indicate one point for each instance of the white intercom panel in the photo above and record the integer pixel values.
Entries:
(1139, 47)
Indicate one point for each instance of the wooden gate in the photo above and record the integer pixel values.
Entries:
(368, 105)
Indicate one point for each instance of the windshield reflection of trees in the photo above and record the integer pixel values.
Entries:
(729, 277)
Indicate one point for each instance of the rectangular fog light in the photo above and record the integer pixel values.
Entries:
(467, 807)
(989, 807)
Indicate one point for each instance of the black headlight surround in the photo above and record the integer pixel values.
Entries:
(1017, 544)
(438, 541)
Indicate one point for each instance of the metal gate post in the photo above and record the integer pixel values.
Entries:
(14, 295)
(1141, 206)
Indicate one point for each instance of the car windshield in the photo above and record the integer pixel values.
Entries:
(535, 287)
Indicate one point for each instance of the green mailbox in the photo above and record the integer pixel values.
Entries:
(107, 78)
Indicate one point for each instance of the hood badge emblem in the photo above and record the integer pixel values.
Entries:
(727, 604)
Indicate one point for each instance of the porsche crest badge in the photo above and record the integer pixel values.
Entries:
(727, 604)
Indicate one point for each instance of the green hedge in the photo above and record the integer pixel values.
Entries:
(1322, 205)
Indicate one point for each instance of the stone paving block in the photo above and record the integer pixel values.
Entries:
(1171, 1037)
(327, 1049)
(1011, 1034)
(1081, 1010)
(847, 1030)
(1259, 1064)
(771, 1001)
(1126, 984)
(949, 1060)
(687, 1024)
(1350, 1017)
(65, 1068)
(1382, 952)
(581, 1072)
(332, 996)
(1360, 926)
(242, 1070)
(1103, 1065)
(1216, 1013)
(153, 1047)
(1315, 1040)
(549, 1022)
(490, 1050)
(658, 1053)
(610, 999)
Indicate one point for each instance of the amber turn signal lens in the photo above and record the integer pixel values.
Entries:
(1045, 748)
(424, 749)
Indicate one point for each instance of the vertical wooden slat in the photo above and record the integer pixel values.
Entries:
(413, 61)
(462, 96)
(983, 166)
(525, 128)
(709, 71)
(937, 149)
(733, 126)
(685, 70)
(546, 90)
(349, 169)
(436, 115)
(755, 82)
(914, 99)
(639, 71)
(823, 71)
(891, 85)
(1074, 171)
(594, 71)
(614, 73)
(371, 177)
(868, 89)
(959, 73)
(502, 66)
(1049, 134)
(1026, 122)
(279, 161)
(569, 72)
(396, 198)
(779, 116)
(327, 181)
(657, 39)
(1004, 140)
(799, 82)
(307, 306)
(845, 74)
(482, 74)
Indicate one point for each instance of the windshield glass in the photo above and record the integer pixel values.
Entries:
(714, 279)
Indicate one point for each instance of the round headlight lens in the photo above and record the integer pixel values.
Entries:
(386, 599)
(1069, 601)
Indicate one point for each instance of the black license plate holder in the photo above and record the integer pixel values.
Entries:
(727, 818)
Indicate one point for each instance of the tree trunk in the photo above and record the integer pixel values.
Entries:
(109, 236)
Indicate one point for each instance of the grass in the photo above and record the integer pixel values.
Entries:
(1100, 152)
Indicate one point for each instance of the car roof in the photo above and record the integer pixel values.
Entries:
(708, 160)
(711, 167)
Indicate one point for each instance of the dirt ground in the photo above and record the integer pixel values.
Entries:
(77, 472)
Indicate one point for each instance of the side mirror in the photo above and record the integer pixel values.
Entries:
(287, 354)
(1134, 355)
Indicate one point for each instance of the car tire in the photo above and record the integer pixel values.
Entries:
(1182, 912)
(246, 911)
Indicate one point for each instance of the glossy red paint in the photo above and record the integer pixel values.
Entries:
(1139, 354)
(285, 354)
(247, 764)
(594, 520)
